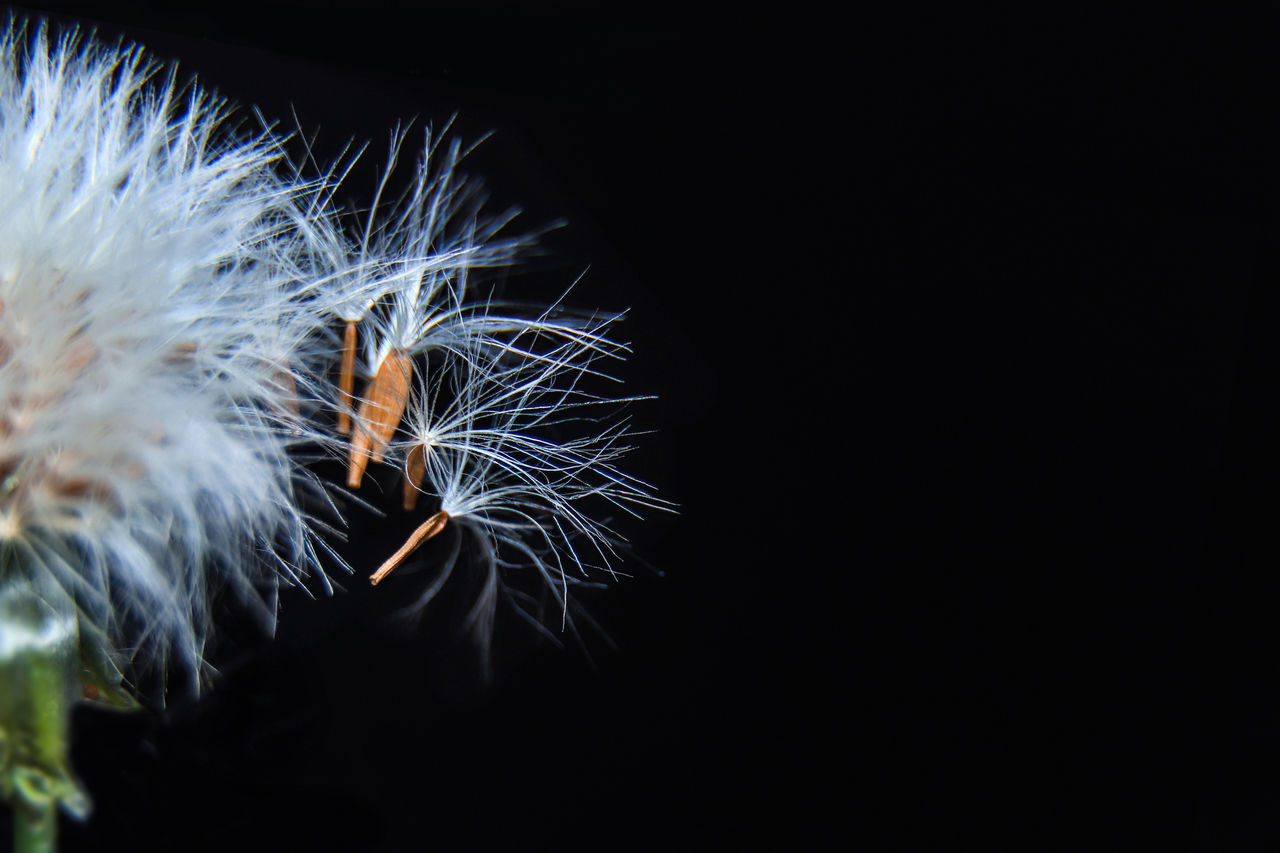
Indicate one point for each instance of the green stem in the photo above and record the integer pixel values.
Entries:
(39, 676)
(34, 833)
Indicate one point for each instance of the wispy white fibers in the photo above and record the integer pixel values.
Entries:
(518, 454)
(157, 314)
(169, 297)
(503, 439)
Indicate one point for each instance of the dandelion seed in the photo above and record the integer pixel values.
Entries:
(476, 447)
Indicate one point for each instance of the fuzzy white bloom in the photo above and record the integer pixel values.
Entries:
(157, 326)
(169, 292)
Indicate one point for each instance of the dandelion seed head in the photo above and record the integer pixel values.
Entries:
(156, 327)
(168, 294)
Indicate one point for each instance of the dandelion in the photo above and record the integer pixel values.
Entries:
(175, 300)
(159, 349)
(155, 341)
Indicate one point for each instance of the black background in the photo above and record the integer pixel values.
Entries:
(641, 130)
(963, 333)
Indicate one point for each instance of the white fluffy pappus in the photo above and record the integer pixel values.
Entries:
(169, 290)
(501, 434)
(157, 327)
(515, 450)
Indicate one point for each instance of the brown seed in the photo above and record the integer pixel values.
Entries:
(415, 470)
(425, 531)
(379, 415)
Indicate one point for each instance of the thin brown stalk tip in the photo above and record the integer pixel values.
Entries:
(425, 531)
(347, 379)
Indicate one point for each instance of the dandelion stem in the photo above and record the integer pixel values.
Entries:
(32, 834)
(39, 680)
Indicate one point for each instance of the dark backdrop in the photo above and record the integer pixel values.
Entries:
(345, 733)
(963, 333)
